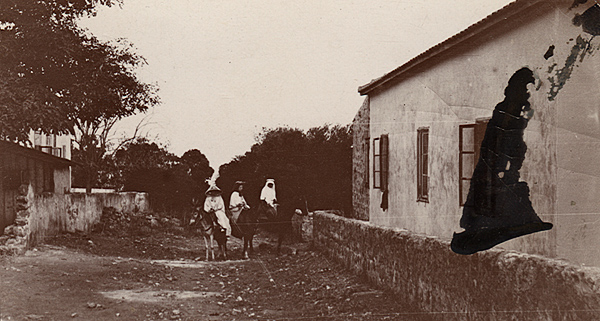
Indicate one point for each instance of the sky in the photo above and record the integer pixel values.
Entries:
(228, 69)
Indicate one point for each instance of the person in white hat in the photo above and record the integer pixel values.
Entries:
(268, 193)
(237, 202)
(214, 204)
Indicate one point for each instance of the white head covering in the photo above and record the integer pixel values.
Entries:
(268, 193)
(213, 189)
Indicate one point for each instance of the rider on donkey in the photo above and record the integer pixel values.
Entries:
(214, 205)
(268, 193)
(237, 202)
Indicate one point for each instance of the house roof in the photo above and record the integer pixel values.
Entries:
(6, 146)
(496, 17)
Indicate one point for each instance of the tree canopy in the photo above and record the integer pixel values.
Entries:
(145, 166)
(316, 163)
(57, 78)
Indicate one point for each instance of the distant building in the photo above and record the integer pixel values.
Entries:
(57, 145)
(426, 119)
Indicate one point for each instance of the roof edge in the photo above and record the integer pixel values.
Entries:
(484, 24)
(38, 154)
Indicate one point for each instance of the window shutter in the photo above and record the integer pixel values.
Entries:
(376, 163)
(384, 148)
(469, 145)
(480, 127)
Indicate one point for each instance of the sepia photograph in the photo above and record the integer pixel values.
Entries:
(299, 160)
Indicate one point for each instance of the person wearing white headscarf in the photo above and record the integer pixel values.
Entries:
(268, 193)
(237, 202)
(214, 204)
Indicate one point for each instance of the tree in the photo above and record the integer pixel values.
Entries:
(57, 78)
(171, 181)
(198, 169)
(317, 164)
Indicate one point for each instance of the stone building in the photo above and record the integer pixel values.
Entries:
(360, 163)
(426, 121)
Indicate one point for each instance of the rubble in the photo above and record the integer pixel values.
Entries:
(16, 236)
(117, 223)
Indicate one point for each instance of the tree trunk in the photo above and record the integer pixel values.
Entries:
(88, 181)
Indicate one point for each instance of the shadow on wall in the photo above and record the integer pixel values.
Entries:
(498, 208)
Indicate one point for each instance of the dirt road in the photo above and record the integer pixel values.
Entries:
(163, 276)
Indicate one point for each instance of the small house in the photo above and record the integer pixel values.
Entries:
(418, 134)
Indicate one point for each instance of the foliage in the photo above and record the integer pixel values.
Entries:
(316, 163)
(171, 181)
(57, 78)
(40, 46)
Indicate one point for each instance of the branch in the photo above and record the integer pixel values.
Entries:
(136, 134)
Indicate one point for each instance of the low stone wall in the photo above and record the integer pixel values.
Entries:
(77, 212)
(490, 285)
(302, 227)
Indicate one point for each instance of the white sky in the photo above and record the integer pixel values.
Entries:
(226, 69)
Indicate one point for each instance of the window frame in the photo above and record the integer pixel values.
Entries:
(479, 129)
(376, 161)
(462, 194)
(381, 157)
(423, 164)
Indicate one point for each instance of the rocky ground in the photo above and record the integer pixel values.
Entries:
(161, 274)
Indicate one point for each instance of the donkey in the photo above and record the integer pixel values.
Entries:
(278, 219)
(245, 229)
(210, 232)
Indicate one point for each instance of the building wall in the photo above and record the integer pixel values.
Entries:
(360, 163)
(424, 273)
(62, 180)
(578, 166)
(465, 83)
(16, 168)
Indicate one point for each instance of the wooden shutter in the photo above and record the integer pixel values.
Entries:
(376, 164)
(423, 164)
(384, 149)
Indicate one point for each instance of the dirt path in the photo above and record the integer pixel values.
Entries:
(159, 277)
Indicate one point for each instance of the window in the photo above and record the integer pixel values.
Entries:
(422, 165)
(376, 164)
(466, 159)
(381, 162)
(469, 143)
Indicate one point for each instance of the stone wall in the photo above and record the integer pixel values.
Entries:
(360, 163)
(302, 227)
(491, 285)
(15, 236)
(48, 214)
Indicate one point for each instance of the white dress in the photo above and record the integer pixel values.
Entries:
(237, 203)
(268, 195)
(216, 204)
